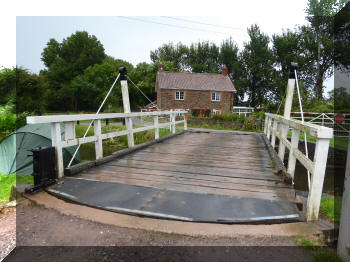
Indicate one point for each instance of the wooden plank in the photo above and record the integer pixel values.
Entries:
(198, 162)
(166, 180)
(254, 161)
(197, 189)
(207, 150)
(221, 154)
(243, 173)
(82, 117)
(120, 171)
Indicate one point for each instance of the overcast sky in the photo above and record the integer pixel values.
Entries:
(133, 36)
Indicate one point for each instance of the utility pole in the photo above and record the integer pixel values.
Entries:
(344, 229)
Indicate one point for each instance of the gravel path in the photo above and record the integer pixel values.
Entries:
(7, 231)
(55, 237)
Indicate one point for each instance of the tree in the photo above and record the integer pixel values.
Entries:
(7, 85)
(177, 54)
(67, 60)
(318, 39)
(144, 76)
(342, 39)
(30, 92)
(204, 57)
(91, 87)
(257, 59)
(229, 56)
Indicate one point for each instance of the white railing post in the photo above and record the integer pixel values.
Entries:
(156, 126)
(126, 105)
(273, 131)
(344, 228)
(56, 142)
(269, 128)
(289, 96)
(185, 123)
(173, 127)
(69, 130)
(266, 121)
(281, 146)
(292, 158)
(129, 126)
(315, 194)
(98, 143)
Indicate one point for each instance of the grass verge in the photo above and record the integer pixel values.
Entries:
(331, 208)
(319, 253)
(6, 183)
(337, 142)
(87, 151)
(219, 127)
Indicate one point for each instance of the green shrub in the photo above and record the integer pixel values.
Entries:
(6, 183)
(9, 121)
(249, 123)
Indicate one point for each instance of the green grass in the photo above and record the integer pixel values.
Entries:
(6, 183)
(338, 142)
(220, 127)
(87, 151)
(331, 207)
(319, 253)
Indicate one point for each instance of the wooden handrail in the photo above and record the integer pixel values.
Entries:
(278, 126)
(69, 122)
(82, 117)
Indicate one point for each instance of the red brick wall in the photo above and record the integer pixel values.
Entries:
(194, 100)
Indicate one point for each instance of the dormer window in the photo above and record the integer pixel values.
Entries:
(179, 95)
(215, 96)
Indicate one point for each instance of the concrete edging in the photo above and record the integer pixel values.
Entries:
(193, 229)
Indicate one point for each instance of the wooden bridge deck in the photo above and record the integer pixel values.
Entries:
(216, 164)
(222, 164)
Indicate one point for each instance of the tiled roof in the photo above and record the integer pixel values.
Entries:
(194, 81)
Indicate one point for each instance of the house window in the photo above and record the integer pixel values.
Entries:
(216, 112)
(215, 97)
(179, 95)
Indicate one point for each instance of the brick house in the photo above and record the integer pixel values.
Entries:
(201, 93)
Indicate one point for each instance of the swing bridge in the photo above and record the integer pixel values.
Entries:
(189, 175)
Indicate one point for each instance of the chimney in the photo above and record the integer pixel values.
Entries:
(224, 70)
(161, 68)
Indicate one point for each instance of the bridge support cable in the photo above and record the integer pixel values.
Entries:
(97, 112)
(143, 94)
(302, 120)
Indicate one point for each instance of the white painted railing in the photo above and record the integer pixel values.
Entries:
(69, 122)
(278, 126)
(326, 119)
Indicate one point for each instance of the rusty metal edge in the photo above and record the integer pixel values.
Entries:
(277, 162)
(89, 164)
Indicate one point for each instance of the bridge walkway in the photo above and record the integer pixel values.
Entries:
(197, 176)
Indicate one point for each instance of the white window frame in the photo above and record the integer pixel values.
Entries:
(178, 95)
(215, 97)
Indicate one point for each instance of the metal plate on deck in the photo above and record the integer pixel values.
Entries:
(168, 204)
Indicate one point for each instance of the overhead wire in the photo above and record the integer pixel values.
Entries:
(98, 111)
(202, 23)
(172, 25)
(143, 93)
(302, 120)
